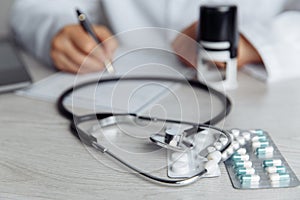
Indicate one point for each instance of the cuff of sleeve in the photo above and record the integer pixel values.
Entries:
(259, 37)
(277, 43)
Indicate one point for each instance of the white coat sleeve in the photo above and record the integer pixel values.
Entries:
(35, 23)
(278, 43)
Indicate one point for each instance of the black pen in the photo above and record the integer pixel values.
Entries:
(87, 27)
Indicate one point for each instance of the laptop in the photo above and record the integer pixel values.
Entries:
(13, 73)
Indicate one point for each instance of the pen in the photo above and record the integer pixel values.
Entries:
(87, 27)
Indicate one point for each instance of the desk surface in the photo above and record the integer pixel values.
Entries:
(40, 159)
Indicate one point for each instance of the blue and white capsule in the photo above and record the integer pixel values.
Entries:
(237, 157)
(249, 178)
(263, 151)
(276, 169)
(279, 177)
(243, 163)
(244, 170)
(257, 132)
(258, 138)
(258, 144)
(272, 162)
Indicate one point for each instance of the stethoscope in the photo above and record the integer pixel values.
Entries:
(169, 140)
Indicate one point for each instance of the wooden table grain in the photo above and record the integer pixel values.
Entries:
(40, 159)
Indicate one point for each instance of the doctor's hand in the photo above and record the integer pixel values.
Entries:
(185, 47)
(72, 48)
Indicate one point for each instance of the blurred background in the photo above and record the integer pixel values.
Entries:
(35, 65)
(4, 16)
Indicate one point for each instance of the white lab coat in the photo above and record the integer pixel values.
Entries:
(272, 26)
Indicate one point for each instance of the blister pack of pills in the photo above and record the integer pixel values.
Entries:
(191, 162)
(257, 162)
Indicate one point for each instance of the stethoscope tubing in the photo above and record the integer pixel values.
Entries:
(100, 116)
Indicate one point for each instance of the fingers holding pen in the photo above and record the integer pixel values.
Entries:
(87, 45)
(67, 57)
(104, 52)
(73, 48)
(63, 63)
(109, 43)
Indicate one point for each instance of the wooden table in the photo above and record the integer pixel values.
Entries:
(40, 159)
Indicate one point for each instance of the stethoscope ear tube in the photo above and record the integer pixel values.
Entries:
(91, 141)
(194, 83)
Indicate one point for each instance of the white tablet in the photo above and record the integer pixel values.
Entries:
(13, 74)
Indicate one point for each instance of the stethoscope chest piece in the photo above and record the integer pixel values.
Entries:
(175, 137)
